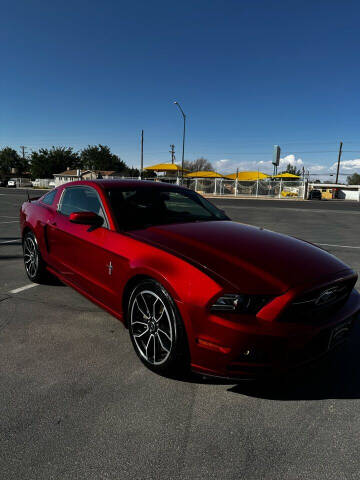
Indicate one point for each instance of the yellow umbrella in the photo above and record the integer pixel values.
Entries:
(248, 176)
(204, 174)
(286, 175)
(165, 167)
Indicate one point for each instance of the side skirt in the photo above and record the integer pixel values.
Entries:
(112, 312)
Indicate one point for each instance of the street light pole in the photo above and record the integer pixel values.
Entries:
(142, 155)
(183, 143)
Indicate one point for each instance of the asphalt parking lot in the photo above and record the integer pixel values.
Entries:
(76, 403)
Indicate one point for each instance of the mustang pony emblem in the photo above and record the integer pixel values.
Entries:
(110, 268)
(326, 296)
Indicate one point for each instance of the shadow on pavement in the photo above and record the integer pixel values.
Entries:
(53, 281)
(336, 376)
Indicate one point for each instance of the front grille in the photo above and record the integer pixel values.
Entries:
(318, 304)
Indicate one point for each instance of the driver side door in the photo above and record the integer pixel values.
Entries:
(80, 251)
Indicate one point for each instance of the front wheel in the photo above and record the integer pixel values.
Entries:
(156, 329)
(34, 265)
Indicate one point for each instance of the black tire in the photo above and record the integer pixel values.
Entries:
(156, 330)
(35, 267)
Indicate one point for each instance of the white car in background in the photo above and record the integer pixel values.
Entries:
(11, 183)
(19, 182)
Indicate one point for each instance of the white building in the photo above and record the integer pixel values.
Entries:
(73, 175)
(333, 190)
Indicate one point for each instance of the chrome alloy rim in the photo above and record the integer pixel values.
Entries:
(31, 257)
(151, 327)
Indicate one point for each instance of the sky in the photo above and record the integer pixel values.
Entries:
(248, 75)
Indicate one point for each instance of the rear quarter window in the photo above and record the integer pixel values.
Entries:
(48, 199)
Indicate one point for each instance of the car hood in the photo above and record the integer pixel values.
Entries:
(252, 259)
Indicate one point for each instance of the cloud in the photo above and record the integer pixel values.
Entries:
(223, 162)
(228, 165)
(348, 165)
(296, 162)
(225, 165)
(266, 166)
(317, 168)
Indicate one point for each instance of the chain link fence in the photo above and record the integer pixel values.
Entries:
(226, 187)
(222, 186)
(258, 188)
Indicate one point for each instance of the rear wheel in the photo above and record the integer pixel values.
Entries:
(156, 329)
(34, 265)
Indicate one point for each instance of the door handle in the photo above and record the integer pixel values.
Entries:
(49, 222)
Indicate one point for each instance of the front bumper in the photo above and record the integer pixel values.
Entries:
(252, 349)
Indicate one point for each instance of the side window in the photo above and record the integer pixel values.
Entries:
(81, 199)
(49, 197)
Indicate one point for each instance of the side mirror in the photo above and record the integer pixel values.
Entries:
(86, 218)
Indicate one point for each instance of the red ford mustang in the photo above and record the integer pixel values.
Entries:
(194, 288)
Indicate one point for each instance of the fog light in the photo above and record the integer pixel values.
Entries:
(252, 356)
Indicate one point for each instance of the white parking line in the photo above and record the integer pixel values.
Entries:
(10, 241)
(13, 221)
(330, 245)
(7, 216)
(26, 287)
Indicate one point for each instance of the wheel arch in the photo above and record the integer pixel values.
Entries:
(129, 286)
(141, 275)
(26, 230)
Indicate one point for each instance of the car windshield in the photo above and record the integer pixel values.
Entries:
(137, 208)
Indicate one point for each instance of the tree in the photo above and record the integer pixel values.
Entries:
(99, 157)
(292, 169)
(44, 163)
(132, 172)
(149, 174)
(9, 159)
(200, 164)
(353, 179)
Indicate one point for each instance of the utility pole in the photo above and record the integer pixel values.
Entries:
(172, 151)
(23, 148)
(338, 165)
(183, 142)
(23, 157)
(142, 154)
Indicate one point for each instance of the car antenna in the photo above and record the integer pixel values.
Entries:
(27, 191)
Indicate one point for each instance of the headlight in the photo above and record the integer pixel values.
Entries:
(240, 303)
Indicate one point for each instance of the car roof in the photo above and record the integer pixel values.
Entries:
(113, 184)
